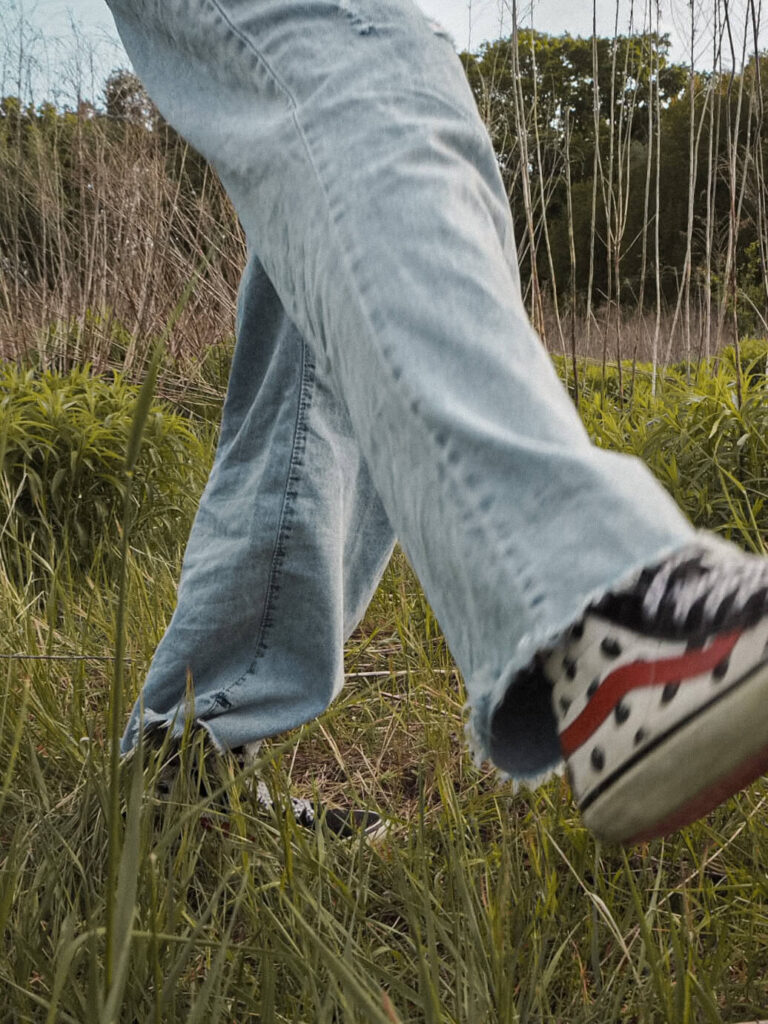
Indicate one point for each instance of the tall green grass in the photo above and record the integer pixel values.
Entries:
(706, 442)
(481, 905)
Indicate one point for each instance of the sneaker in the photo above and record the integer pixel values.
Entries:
(661, 693)
(202, 762)
(343, 824)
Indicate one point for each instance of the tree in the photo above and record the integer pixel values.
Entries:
(127, 100)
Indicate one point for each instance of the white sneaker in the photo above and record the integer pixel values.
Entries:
(661, 693)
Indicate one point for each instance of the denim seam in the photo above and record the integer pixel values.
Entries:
(410, 402)
(285, 524)
(261, 59)
(290, 497)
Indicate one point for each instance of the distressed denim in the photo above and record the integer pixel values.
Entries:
(386, 381)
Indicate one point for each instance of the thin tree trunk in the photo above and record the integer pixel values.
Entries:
(537, 309)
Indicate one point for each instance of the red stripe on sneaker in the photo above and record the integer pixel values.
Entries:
(638, 674)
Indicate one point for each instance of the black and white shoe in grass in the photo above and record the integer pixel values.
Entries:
(661, 693)
(206, 768)
(343, 823)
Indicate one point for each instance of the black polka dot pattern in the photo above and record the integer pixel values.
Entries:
(610, 647)
(670, 692)
(622, 712)
(598, 759)
(720, 671)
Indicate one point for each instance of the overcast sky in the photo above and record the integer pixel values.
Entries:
(470, 22)
(486, 17)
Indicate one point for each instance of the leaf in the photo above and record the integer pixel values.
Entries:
(58, 479)
(141, 412)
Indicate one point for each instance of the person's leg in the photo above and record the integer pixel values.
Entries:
(287, 547)
(349, 141)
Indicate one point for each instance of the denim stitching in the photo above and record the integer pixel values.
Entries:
(445, 458)
(284, 529)
(364, 28)
(260, 58)
(290, 496)
(499, 543)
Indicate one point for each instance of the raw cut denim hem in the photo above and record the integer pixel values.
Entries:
(520, 736)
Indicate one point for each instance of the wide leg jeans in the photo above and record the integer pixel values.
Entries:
(386, 381)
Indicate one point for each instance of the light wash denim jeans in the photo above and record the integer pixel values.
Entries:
(386, 381)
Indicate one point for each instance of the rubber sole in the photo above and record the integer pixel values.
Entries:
(692, 770)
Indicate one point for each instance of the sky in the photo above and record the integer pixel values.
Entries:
(470, 22)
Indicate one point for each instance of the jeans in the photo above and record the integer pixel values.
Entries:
(386, 381)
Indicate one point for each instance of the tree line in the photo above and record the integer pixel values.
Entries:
(636, 184)
(634, 181)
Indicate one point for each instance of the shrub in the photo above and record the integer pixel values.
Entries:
(711, 453)
(753, 354)
(63, 439)
(193, 381)
(706, 448)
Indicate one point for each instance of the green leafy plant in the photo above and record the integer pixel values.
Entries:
(63, 439)
(709, 449)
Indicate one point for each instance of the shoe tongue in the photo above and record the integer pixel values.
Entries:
(629, 607)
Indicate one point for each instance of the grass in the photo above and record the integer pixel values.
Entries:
(482, 905)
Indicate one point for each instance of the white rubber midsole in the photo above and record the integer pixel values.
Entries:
(691, 760)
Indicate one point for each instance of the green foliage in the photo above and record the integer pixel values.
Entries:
(95, 337)
(63, 440)
(481, 904)
(557, 72)
(126, 99)
(552, 78)
(59, 171)
(108, 214)
(709, 450)
(194, 382)
(753, 358)
(108, 204)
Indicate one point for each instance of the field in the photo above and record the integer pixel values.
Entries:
(638, 189)
(480, 905)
